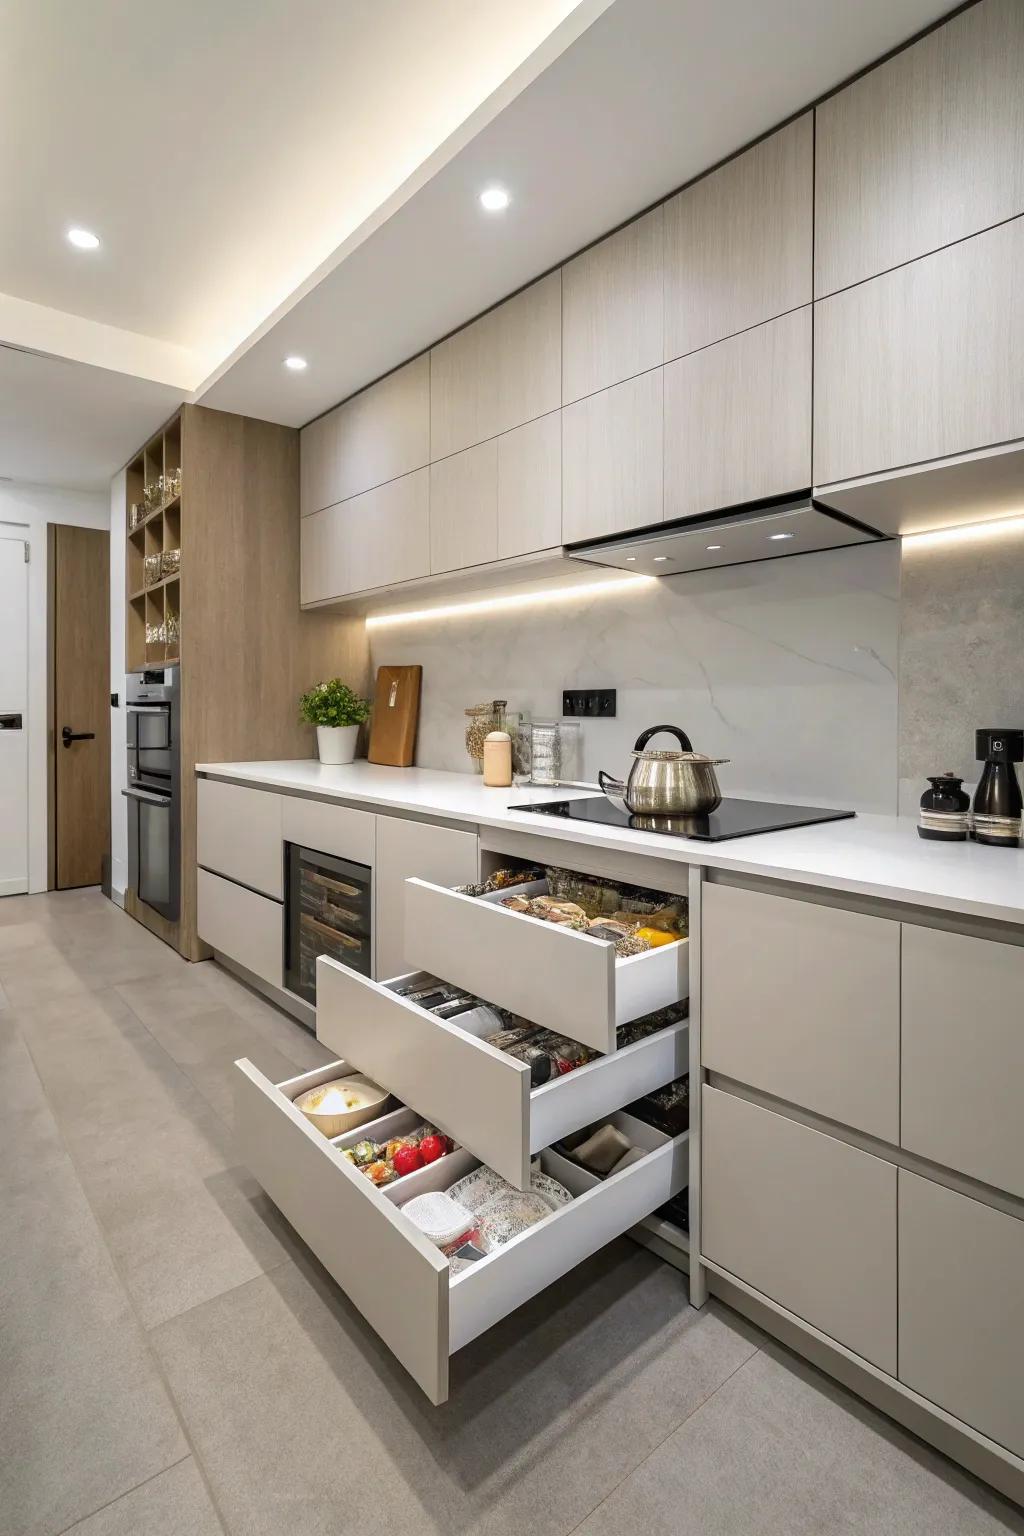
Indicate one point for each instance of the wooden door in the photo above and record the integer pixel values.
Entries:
(81, 684)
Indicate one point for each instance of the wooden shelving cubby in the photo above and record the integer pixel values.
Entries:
(152, 605)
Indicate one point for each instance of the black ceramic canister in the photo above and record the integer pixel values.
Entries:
(945, 810)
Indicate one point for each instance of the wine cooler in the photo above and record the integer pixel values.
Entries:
(328, 912)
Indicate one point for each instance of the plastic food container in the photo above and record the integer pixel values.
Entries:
(439, 1217)
(328, 1106)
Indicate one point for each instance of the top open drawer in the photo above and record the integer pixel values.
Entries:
(566, 981)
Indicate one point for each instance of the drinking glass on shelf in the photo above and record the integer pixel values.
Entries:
(170, 562)
(152, 568)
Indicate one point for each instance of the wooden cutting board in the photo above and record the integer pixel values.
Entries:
(396, 713)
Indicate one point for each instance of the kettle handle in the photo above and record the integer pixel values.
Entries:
(673, 730)
(610, 786)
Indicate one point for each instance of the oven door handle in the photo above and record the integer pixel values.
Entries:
(148, 709)
(142, 794)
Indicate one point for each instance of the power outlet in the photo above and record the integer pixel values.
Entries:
(599, 702)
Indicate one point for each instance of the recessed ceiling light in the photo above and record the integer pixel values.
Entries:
(659, 558)
(84, 239)
(494, 199)
(781, 535)
(296, 364)
(714, 546)
(631, 558)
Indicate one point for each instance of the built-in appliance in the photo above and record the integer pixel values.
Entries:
(153, 791)
(735, 537)
(328, 911)
(733, 818)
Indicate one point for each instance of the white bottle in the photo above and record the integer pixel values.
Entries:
(498, 759)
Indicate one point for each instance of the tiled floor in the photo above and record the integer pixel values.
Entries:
(174, 1363)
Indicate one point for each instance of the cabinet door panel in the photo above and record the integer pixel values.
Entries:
(612, 464)
(464, 508)
(921, 362)
(962, 1058)
(325, 556)
(738, 242)
(613, 308)
(804, 1218)
(925, 149)
(406, 850)
(384, 432)
(530, 487)
(500, 371)
(802, 1001)
(389, 532)
(738, 418)
(317, 464)
(961, 1308)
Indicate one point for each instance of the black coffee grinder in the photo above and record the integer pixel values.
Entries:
(997, 799)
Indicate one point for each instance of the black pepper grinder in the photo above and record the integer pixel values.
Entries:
(997, 799)
(945, 810)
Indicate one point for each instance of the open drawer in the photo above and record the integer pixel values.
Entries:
(549, 974)
(478, 1095)
(396, 1278)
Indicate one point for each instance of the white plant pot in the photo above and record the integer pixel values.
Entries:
(337, 743)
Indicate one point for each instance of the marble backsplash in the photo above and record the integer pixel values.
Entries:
(787, 668)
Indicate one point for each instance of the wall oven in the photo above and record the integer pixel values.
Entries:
(153, 792)
(328, 911)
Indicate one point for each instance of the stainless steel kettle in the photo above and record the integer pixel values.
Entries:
(682, 783)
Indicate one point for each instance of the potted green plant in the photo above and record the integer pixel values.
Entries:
(337, 712)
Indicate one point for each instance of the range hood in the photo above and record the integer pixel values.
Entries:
(738, 537)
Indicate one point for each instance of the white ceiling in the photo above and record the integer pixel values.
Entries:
(271, 176)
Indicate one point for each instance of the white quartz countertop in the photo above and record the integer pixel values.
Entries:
(880, 856)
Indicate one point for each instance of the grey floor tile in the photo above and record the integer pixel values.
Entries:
(175, 1503)
(783, 1451)
(83, 1412)
(294, 1405)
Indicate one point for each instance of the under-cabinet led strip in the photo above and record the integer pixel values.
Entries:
(512, 600)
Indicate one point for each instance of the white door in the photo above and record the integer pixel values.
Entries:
(13, 716)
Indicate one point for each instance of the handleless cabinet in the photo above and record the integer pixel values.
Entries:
(371, 541)
(530, 487)
(612, 464)
(738, 242)
(325, 555)
(613, 308)
(962, 1057)
(379, 435)
(922, 362)
(925, 149)
(500, 371)
(464, 508)
(238, 834)
(406, 849)
(803, 1001)
(317, 466)
(738, 418)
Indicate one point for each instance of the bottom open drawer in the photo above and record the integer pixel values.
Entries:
(398, 1280)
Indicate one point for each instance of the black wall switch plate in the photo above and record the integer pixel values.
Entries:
(598, 702)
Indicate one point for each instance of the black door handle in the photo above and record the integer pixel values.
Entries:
(10, 722)
(67, 735)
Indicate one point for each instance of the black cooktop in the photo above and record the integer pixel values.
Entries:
(733, 818)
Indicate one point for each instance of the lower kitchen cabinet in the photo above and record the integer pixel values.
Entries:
(961, 1307)
(802, 1001)
(962, 1055)
(397, 1279)
(479, 1095)
(805, 1219)
(238, 834)
(249, 929)
(407, 848)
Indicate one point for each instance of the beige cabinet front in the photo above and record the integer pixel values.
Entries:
(404, 849)
(530, 487)
(613, 308)
(962, 1058)
(921, 362)
(738, 242)
(502, 370)
(374, 540)
(802, 1001)
(924, 150)
(612, 459)
(378, 435)
(738, 418)
(238, 834)
(805, 1219)
(464, 508)
(961, 1308)
(247, 928)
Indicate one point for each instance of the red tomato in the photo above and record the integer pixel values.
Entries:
(407, 1160)
(433, 1147)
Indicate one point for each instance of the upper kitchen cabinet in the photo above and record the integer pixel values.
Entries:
(923, 361)
(738, 418)
(738, 242)
(530, 487)
(923, 150)
(499, 372)
(612, 459)
(613, 308)
(464, 509)
(377, 436)
(368, 542)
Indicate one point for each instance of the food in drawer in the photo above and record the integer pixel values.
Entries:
(571, 953)
(387, 1246)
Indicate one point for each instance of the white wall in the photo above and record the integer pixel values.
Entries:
(31, 507)
(118, 804)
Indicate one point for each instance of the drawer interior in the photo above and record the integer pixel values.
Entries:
(541, 888)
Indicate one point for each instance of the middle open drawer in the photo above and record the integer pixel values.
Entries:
(474, 1092)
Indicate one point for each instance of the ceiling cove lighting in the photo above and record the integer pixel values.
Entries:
(965, 533)
(512, 600)
(296, 364)
(494, 199)
(83, 239)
